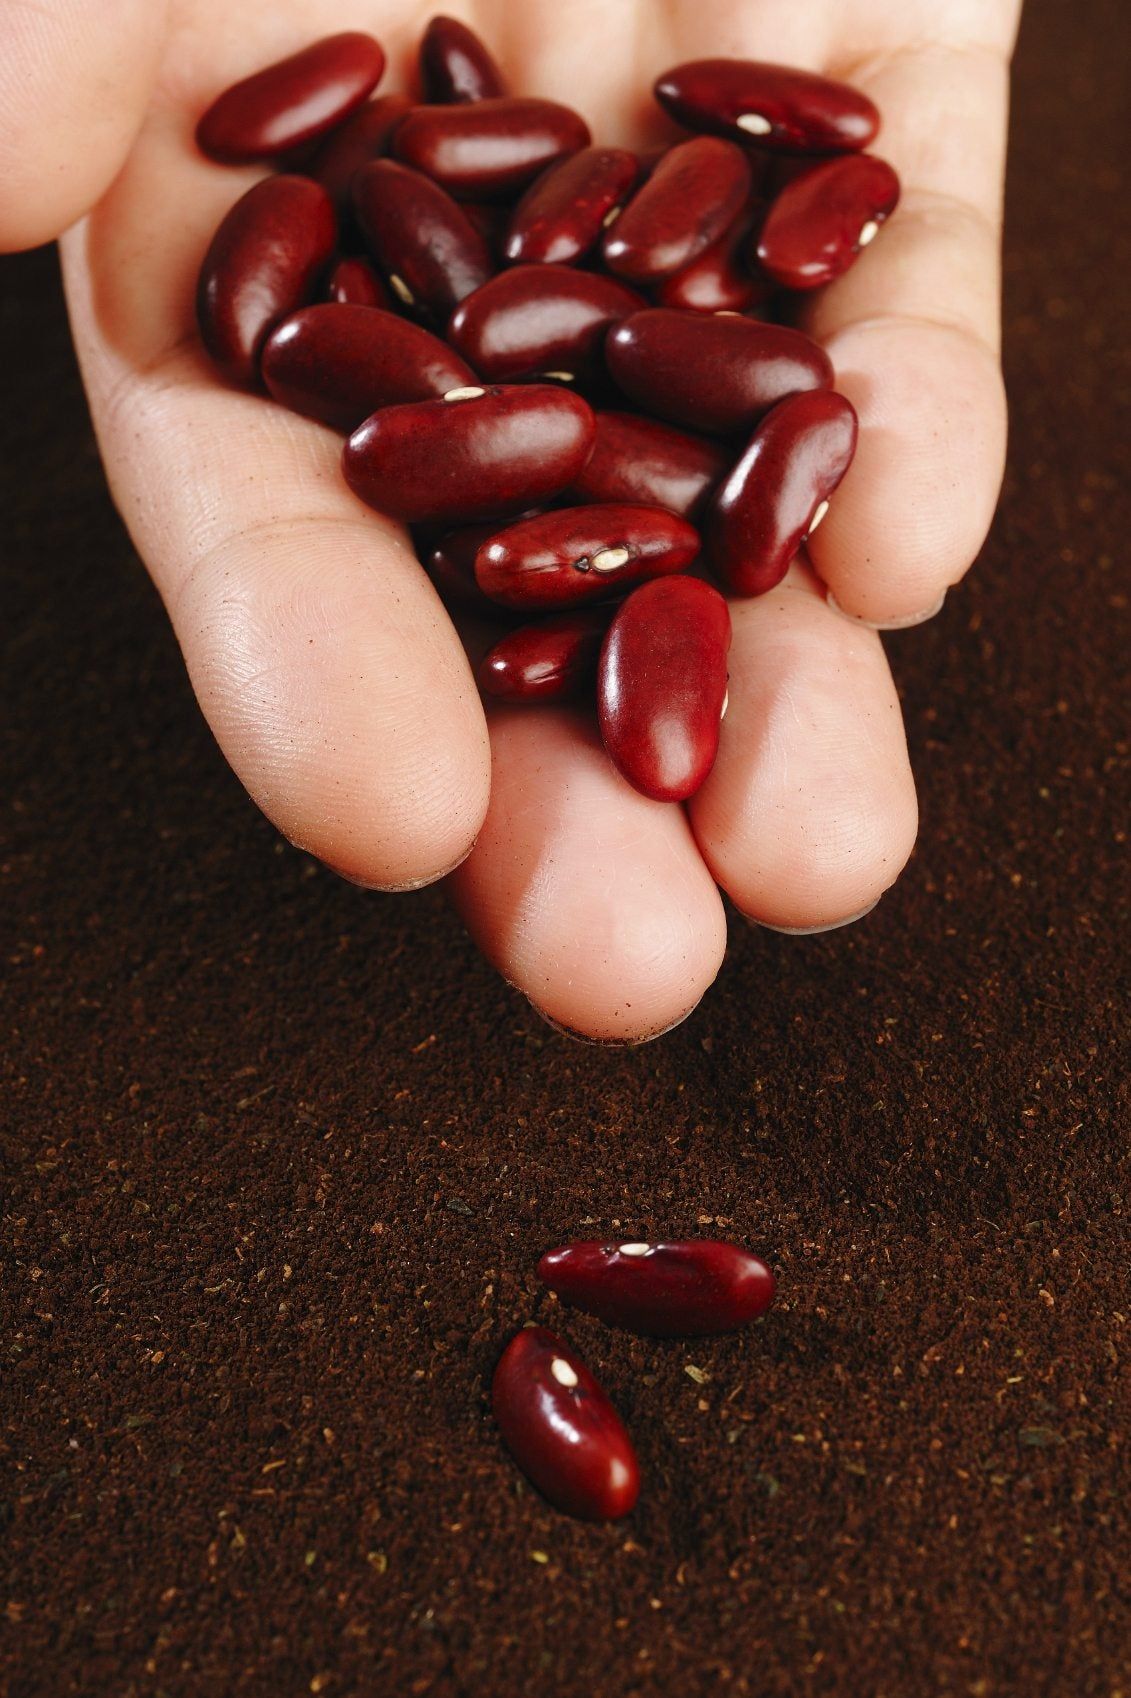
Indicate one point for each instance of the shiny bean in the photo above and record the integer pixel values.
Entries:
(821, 221)
(540, 319)
(354, 283)
(363, 137)
(643, 462)
(339, 363)
(455, 66)
(488, 149)
(710, 372)
(428, 249)
(475, 454)
(774, 105)
(564, 211)
(777, 493)
(661, 686)
(681, 1289)
(725, 277)
(450, 563)
(695, 192)
(577, 554)
(561, 1429)
(547, 661)
(264, 262)
(292, 102)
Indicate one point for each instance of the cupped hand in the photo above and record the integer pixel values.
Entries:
(322, 657)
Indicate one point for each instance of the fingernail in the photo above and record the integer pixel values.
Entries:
(901, 624)
(811, 931)
(609, 1043)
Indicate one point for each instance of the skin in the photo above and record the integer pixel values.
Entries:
(327, 667)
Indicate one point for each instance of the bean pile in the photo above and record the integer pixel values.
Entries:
(564, 366)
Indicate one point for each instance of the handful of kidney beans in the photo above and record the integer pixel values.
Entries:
(563, 364)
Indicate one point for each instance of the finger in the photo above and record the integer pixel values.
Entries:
(75, 76)
(591, 899)
(913, 333)
(809, 813)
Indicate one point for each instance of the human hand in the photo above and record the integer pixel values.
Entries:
(329, 671)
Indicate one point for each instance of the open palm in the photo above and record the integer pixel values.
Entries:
(324, 661)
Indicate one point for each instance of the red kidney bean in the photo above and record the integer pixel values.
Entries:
(776, 494)
(455, 66)
(341, 363)
(426, 246)
(774, 105)
(682, 1289)
(694, 193)
(540, 320)
(292, 102)
(722, 279)
(645, 463)
(710, 372)
(477, 453)
(563, 212)
(361, 138)
(354, 283)
(545, 662)
(577, 554)
(488, 149)
(491, 222)
(450, 563)
(263, 262)
(561, 1429)
(661, 686)
(820, 222)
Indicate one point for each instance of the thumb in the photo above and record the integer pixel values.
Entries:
(75, 78)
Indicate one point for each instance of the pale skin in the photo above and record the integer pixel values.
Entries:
(321, 656)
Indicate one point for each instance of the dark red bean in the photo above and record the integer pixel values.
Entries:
(341, 363)
(491, 222)
(649, 464)
(661, 686)
(564, 211)
(711, 372)
(455, 66)
(480, 453)
(722, 279)
(363, 137)
(450, 563)
(264, 262)
(577, 554)
(694, 193)
(354, 283)
(293, 102)
(821, 221)
(776, 494)
(682, 1289)
(774, 105)
(488, 149)
(540, 319)
(545, 662)
(423, 242)
(561, 1429)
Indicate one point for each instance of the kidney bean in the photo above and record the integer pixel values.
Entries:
(491, 222)
(577, 554)
(488, 149)
(450, 563)
(561, 1429)
(292, 102)
(777, 493)
(354, 283)
(341, 363)
(722, 279)
(820, 222)
(540, 319)
(563, 212)
(263, 262)
(661, 686)
(424, 243)
(774, 105)
(545, 662)
(361, 138)
(710, 372)
(694, 193)
(645, 463)
(681, 1289)
(455, 66)
(476, 453)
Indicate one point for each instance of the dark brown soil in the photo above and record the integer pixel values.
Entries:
(280, 1156)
